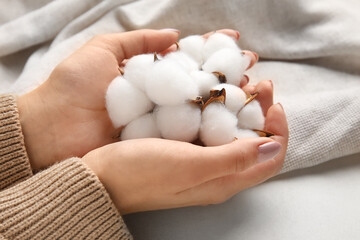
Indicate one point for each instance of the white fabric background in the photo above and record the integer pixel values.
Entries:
(310, 49)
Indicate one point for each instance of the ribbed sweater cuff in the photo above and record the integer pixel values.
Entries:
(14, 163)
(65, 201)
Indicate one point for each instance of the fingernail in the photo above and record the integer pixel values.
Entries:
(281, 106)
(237, 35)
(170, 30)
(256, 56)
(268, 151)
(244, 80)
(272, 84)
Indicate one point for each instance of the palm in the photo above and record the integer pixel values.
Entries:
(84, 78)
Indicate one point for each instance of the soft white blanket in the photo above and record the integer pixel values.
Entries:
(310, 49)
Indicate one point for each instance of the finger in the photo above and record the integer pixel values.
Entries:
(254, 58)
(220, 189)
(244, 81)
(125, 45)
(230, 32)
(215, 162)
(265, 97)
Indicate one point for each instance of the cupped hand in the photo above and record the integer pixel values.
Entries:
(66, 116)
(150, 174)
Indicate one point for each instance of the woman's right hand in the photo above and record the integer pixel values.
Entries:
(151, 174)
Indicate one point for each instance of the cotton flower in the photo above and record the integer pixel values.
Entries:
(235, 97)
(229, 62)
(169, 84)
(137, 70)
(216, 42)
(218, 125)
(142, 127)
(181, 122)
(193, 46)
(251, 116)
(245, 133)
(183, 60)
(205, 82)
(124, 102)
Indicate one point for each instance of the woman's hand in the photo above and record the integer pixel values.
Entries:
(150, 174)
(66, 116)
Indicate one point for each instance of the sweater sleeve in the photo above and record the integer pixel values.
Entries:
(14, 163)
(65, 201)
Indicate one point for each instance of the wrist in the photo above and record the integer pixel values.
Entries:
(35, 128)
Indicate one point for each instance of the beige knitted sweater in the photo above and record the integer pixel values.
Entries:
(65, 201)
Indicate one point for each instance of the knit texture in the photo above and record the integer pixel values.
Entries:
(65, 201)
(14, 164)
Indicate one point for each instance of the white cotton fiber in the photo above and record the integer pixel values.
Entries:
(218, 125)
(205, 82)
(124, 102)
(181, 122)
(137, 70)
(230, 62)
(251, 116)
(216, 42)
(169, 84)
(193, 46)
(142, 127)
(235, 97)
(183, 60)
(245, 133)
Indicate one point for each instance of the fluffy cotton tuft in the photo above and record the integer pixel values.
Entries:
(245, 133)
(205, 82)
(124, 102)
(218, 125)
(216, 42)
(137, 70)
(170, 84)
(181, 122)
(251, 116)
(183, 60)
(230, 62)
(235, 97)
(193, 46)
(142, 127)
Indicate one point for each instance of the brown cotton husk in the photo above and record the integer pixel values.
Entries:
(263, 133)
(177, 46)
(251, 97)
(216, 96)
(155, 57)
(220, 76)
(121, 70)
(198, 101)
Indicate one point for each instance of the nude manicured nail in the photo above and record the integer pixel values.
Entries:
(268, 151)
(170, 30)
(256, 56)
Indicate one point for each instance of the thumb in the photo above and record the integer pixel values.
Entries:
(236, 157)
(127, 44)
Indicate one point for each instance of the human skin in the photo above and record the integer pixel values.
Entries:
(66, 116)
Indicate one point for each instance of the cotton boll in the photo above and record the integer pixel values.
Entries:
(235, 97)
(230, 62)
(218, 125)
(216, 42)
(137, 70)
(245, 133)
(193, 46)
(251, 116)
(169, 84)
(124, 102)
(183, 60)
(142, 127)
(205, 82)
(181, 122)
